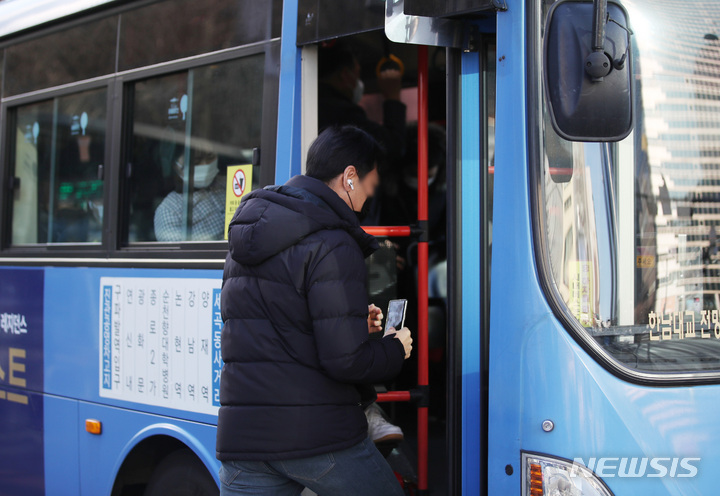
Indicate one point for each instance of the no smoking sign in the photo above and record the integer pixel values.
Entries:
(238, 183)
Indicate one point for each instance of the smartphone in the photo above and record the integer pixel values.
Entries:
(395, 315)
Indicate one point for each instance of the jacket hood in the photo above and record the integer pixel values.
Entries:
(274, 218)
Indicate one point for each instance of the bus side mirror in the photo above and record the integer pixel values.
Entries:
(587, 70)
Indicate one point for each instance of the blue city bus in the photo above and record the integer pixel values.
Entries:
(568, 334)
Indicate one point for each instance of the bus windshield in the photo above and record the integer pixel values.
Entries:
(631, 228)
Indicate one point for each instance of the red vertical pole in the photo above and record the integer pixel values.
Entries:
(422, 332)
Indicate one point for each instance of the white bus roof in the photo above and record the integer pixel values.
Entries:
(18, 15)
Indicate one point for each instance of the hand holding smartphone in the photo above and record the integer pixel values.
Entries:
(395, 315)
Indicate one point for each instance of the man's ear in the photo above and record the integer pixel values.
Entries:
(350, 172)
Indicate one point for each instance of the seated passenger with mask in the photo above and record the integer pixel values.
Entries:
(207, 199)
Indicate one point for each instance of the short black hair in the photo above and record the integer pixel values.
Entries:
(334, 56)
(340, 146)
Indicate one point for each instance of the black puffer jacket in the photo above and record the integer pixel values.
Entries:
(295, 342)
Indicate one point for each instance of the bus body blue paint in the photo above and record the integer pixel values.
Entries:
(471, 261)
(21, 381)
(516, 301)
(612, 418)
(289, 105)
(62, 429)
(126, 428)
(537, 370)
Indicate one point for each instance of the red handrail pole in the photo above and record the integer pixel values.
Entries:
(422, 332)
(394, 396)
(398, 231)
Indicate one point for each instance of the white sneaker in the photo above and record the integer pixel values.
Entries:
(379, 429)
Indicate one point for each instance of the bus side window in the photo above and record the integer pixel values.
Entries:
(188, 130)
(59, 149)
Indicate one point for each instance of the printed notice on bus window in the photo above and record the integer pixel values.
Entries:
(581, 292)
(239, 183)
(160, 342)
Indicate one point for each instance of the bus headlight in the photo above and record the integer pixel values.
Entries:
(547, 476)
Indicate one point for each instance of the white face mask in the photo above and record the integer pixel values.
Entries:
(358, 91)
(203, 174)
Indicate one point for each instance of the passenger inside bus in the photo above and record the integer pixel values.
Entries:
(399, 207)
(392, 269)
(204, 204)
(214, 108)
(340, 89)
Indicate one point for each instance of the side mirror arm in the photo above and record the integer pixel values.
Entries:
(598, 64)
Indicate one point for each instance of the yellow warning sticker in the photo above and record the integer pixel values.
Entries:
(239, 183)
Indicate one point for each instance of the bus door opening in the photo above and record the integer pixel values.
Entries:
(397, 93)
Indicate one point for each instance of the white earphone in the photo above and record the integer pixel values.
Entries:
(351, 184)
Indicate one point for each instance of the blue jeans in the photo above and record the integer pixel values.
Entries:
(357, 471)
